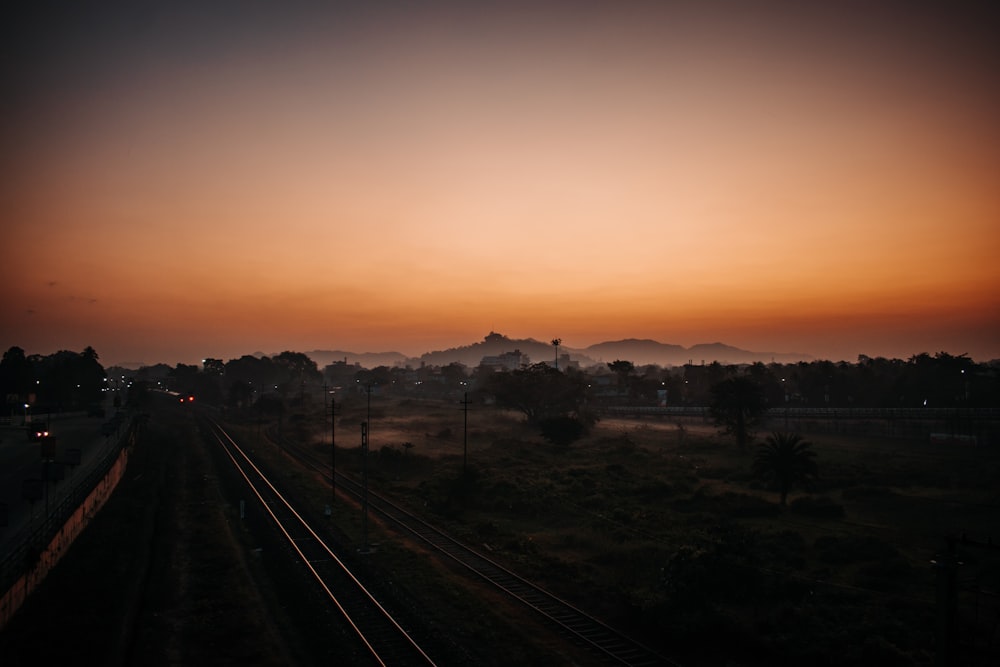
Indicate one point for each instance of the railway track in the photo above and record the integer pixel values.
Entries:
(384, 637)
(608, 645)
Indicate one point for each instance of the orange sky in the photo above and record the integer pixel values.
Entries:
(199, 182)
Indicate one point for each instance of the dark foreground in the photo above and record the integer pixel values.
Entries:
(162, 577)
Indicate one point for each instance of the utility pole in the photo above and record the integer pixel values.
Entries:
(465, 434)
(946, 566)
(333, 450)
(364, 485)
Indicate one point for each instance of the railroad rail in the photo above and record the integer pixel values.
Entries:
(609, 645)
(384, 637)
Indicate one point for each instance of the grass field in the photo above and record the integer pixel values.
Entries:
(662, 529)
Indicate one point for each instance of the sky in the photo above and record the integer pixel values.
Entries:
(187, 180)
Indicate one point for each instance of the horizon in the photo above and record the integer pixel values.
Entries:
(109, 358)
(582, 349)
(210, 181)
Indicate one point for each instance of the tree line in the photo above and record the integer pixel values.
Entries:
(56, 382)
(70, 379)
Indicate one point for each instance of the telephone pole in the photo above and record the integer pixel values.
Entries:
(333, 451)
(364, 485)
(465, 434)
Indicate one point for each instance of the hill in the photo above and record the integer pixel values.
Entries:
(640, 352)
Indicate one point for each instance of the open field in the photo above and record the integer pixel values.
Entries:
(664, 530)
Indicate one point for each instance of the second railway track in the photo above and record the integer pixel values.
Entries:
(384, 637)
(607, 645)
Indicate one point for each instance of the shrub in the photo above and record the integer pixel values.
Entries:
(833, 549)
(450, 496)
(867, 492)
(733, 504)
(893, 574)
(784, 548)
(562, 430)
(821, 507)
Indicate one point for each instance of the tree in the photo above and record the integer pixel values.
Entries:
(240, 393)
(67, 380)
(738, 405)
(624, 370)
(250, 369)
(540, 391)
(214, 367)
(785, 459)
(15, 374)
(297, 368)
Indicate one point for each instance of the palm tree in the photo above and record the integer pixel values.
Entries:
(786, 460)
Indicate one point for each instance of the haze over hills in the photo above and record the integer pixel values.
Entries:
(639, 351)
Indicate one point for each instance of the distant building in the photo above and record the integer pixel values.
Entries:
(505, 361)
(565, 362)
(340, 373)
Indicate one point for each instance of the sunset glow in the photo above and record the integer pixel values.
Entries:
(193, 183)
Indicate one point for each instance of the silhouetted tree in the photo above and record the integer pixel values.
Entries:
(699, 380)
(240, 394)
(257, 372)
(785, 459)
(68, 380)
(624, 370)
(15, 376)
(540, 391)
(455, 373)
(213, 367)
(184, 378)
(738, 405)
(562, 429)
(297, 369)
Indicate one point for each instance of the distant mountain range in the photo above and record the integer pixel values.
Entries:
(640, 352)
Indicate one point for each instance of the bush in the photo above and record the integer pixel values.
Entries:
(729, 503)
(783, 548)
(450, 496)
(893, 574)
(821, 507)
(867, 492)
(562, 430)
(833, 549)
